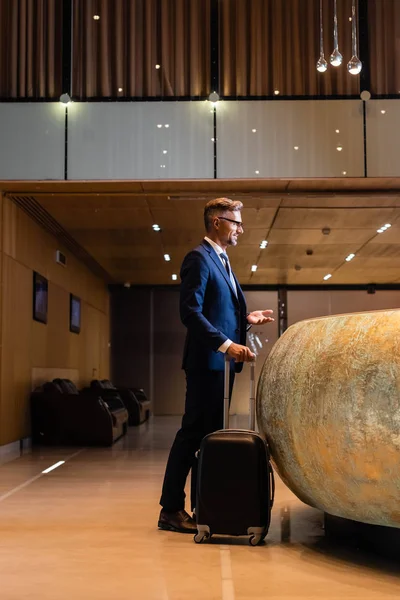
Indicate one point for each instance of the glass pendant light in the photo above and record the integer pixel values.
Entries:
(354, 65)
(336, 58)
(322, 65)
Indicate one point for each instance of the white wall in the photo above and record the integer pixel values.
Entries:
(121, 140)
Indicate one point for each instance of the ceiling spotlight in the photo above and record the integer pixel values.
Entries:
(327, 277)
(156, 227)
(257, 172)
(166, 125)
(174, 277)
(167, 257)
(380, 230)
(276, 92)
(157, 66)
(344, 172)
(96, 17)
(65, 98)
(388, 225)
(296, 147)
(254, 268)
(120, 90)
(264, 244)
(383, 112)
(350, 19)
(214, 98)
(350, 257)
(127, 284)
(254, 130)
(165, 151)
(337, 131)
(339, 148)
(159, 126)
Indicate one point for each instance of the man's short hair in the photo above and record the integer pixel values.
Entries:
(217, 207)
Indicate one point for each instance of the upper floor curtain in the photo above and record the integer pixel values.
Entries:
(30, 48)
(141, 48)
(273, 45)
(384, 46)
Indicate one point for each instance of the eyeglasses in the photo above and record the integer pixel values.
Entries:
(239, 224)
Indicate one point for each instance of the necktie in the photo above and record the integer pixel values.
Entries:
(228, 270)
(226, 263)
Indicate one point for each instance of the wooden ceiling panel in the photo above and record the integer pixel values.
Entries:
(114, 237)
(52, 202)
(380, 251)
(335, 218)
(99, 219)
(113, 221)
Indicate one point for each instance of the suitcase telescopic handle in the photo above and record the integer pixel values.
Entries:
(252, 411)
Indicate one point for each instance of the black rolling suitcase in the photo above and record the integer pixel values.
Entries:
(235, 481)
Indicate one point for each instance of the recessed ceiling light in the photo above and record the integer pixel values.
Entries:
(344, 172)
(388, 225)
(167, 257)
(166, 125)
(120, 90)
(264, 244)
(162, 166)
(296, 147)
(337, 130)
(327, 276)
(350, 257)
(276, 92)
(380, 230)
(350, 19)
(159, 126)
(254, 130)
(257, 172)
(157, 66)
(339, 148)
(165, 151)
(383, 112)
(156, 227)
(254, 268)
(174, 277)
(96, 17)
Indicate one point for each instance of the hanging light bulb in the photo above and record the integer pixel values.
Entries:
(354, 65)
(322, 65)
(336, 58)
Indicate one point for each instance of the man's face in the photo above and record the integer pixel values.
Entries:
(229, 227)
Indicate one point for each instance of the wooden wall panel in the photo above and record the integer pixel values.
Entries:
(29, 347)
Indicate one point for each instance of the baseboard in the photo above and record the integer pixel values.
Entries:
(15, 450)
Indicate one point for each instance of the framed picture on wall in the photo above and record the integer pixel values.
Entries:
(40, 297)
(74, 314)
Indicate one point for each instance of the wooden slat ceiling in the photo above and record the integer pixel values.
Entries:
(112, 223)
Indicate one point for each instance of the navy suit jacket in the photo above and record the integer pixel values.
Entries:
(209, 309)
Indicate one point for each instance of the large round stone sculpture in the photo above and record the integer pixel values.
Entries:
(328, 401)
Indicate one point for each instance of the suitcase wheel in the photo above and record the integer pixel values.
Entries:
(255, 540)
(201, 536)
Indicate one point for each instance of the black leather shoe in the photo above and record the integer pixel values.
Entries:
(178, 521)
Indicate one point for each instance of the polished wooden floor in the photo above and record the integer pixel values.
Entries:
(88, 530)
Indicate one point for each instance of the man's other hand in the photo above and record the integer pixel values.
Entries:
(259, 317)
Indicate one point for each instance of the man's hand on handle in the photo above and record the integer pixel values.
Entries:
(240, 353)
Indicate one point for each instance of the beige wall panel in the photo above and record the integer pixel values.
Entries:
(16, 352)
(32, 350)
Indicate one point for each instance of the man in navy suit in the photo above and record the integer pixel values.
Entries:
(213, 309)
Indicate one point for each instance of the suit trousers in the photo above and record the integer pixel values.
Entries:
(203, 415)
